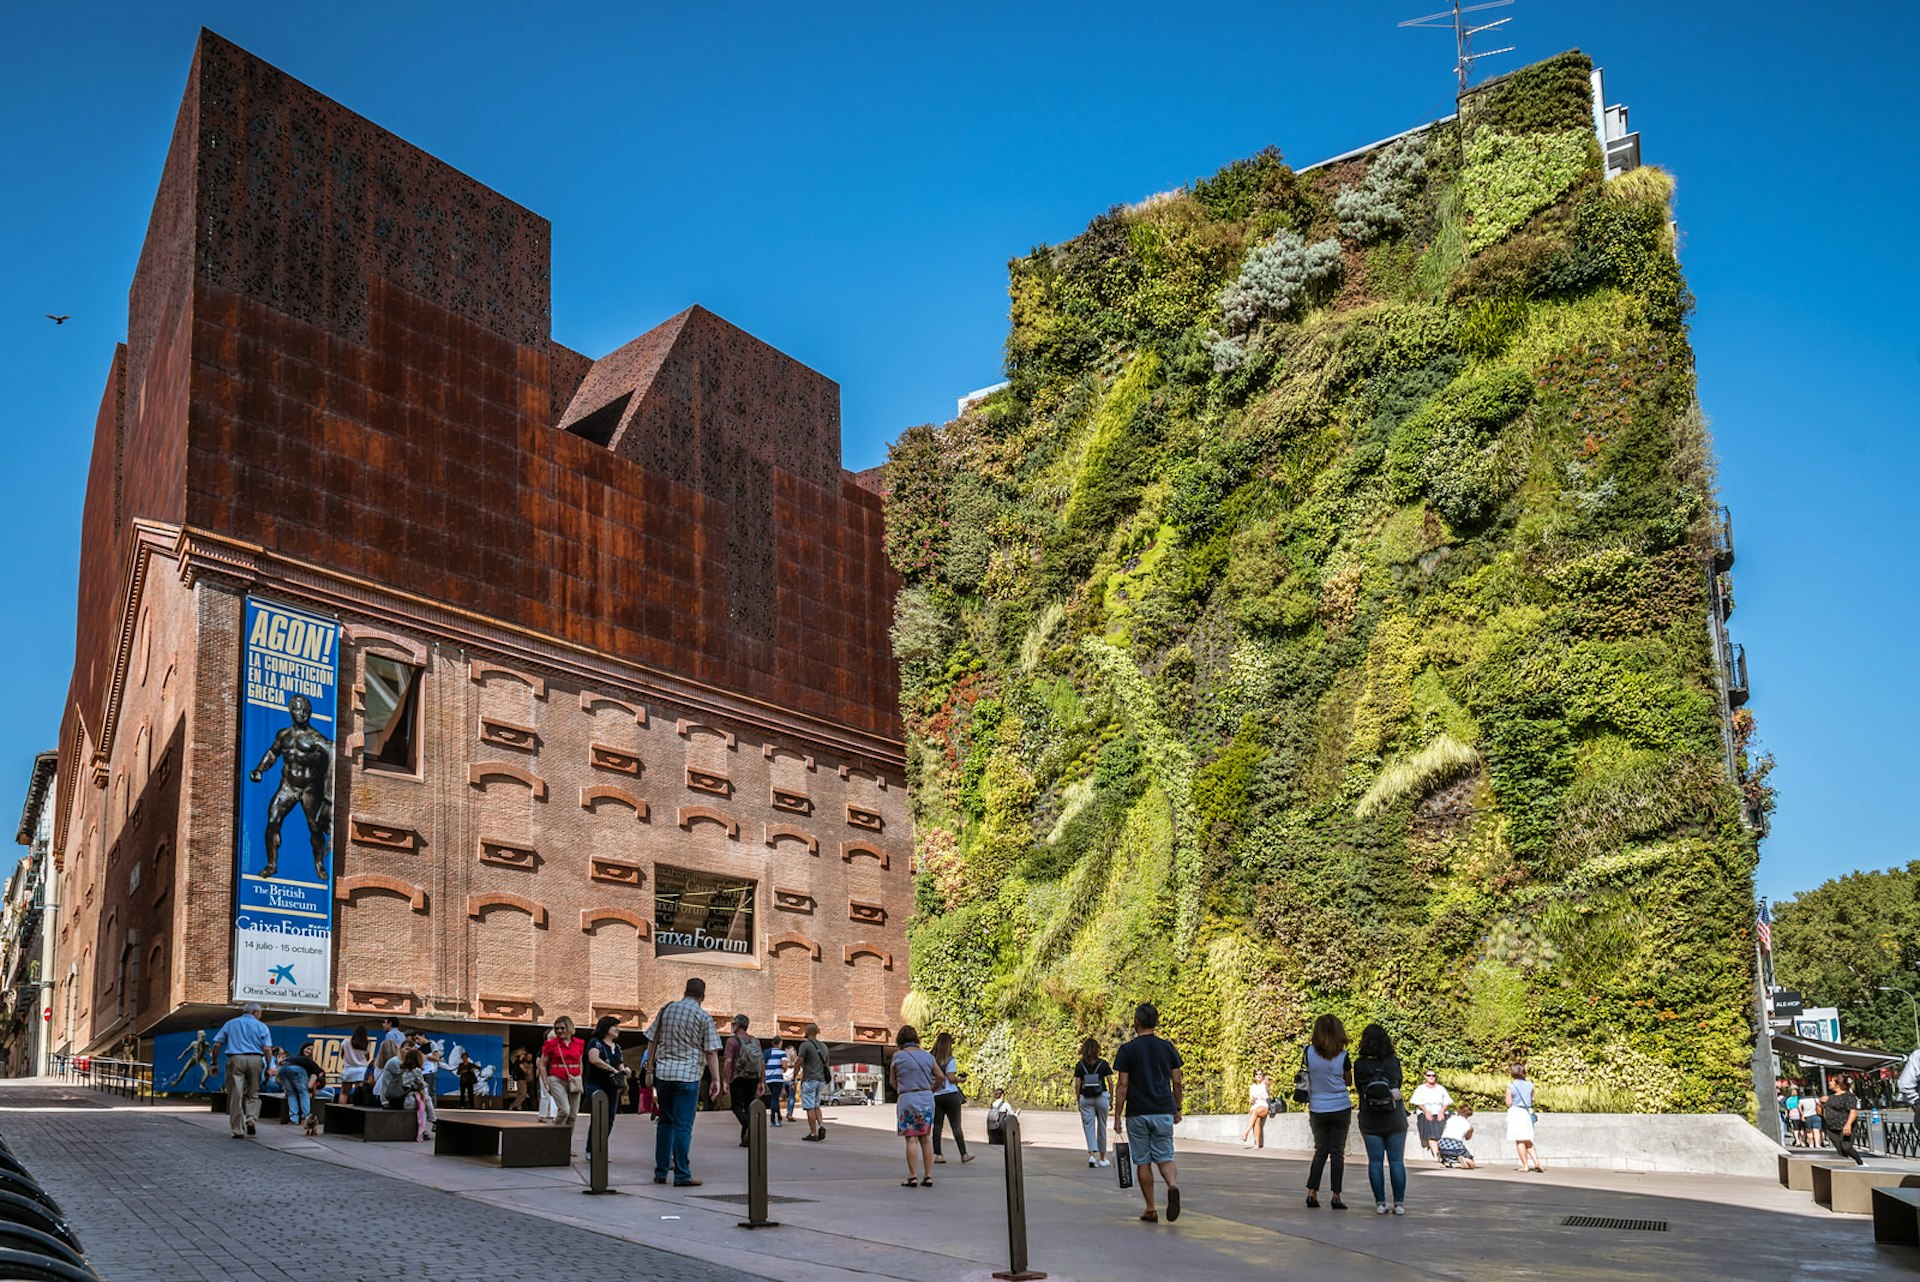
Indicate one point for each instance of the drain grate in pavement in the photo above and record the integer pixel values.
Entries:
(1607, 1222)
(741, 1198)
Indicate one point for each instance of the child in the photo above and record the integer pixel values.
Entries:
(1454, 1135)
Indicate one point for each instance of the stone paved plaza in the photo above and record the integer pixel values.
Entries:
(162, 1193)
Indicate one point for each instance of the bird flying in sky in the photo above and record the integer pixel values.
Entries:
(59, 320)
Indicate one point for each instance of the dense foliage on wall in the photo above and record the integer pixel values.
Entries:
(1317, 622)
(1854, 943)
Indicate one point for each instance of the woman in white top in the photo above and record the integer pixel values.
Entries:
(1520, 1119)
(1454, 1134)
(1258, 1107)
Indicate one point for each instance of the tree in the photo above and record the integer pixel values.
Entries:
(1841, 941)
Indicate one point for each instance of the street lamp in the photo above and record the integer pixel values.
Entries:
(1888, 988)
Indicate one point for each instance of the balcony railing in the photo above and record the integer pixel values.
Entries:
(1723, 542)
(1737, 676)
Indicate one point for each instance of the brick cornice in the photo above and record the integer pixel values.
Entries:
(477, 904)
(590, 916)
(204, 551)
(413, 894)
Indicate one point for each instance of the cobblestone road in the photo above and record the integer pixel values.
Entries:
(153, 1197)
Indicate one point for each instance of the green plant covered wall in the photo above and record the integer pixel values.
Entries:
(1317, 622)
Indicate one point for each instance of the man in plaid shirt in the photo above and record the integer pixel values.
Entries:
(681, 1042)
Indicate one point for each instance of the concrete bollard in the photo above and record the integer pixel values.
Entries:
(757, 1169)
(1017, 1270)
(599, 1127)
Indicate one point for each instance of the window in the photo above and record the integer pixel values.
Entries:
(697, 912)
(393, 715)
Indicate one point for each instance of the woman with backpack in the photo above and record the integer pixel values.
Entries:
(1520, 1119)
(1383, 1117)
(1325, 1075)
(1090, 1074)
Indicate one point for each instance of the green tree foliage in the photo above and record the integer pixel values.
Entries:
(1353, 659)
(1846, 939)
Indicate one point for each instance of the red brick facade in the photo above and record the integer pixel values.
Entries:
(650, 606)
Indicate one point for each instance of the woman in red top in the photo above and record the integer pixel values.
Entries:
(560, 1071)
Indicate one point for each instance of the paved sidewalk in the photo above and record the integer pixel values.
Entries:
(339, 1209)
(155, 1196)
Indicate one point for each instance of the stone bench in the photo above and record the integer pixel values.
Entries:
(271, 1106)
(516, 1139)
(1896, 1216)
(376, 1125)
(1849, 1188)
(1796, 1167)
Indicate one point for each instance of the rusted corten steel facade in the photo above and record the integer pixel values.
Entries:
(649, 608)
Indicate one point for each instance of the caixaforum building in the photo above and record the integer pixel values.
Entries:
(426, 667)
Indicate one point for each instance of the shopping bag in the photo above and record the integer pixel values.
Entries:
(1123, 1163)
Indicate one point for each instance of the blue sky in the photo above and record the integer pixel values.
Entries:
(848, 182)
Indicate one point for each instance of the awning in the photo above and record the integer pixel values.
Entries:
(1821, 1054)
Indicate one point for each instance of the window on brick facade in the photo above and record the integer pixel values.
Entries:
(393, 715)
(697, 912)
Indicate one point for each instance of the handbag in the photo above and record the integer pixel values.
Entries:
(1302, 1083)
(1123, 1163)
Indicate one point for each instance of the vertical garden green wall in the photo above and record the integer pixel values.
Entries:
(1317, 622)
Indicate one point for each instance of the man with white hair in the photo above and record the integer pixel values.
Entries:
(245, 1040)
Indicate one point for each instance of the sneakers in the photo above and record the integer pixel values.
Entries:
(1093, 1161)
(1379, 1208)
(1105, 1162)
(1398, 1209)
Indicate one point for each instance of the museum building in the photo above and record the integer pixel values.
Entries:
(583, 675)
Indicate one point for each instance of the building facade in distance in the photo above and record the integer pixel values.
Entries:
(27, 925)
(612, 701)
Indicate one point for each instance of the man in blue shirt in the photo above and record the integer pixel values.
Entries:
(244, 1039)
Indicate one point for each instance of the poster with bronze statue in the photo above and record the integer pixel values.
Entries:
(283, 908)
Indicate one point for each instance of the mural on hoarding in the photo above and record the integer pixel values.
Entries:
(183, 1061)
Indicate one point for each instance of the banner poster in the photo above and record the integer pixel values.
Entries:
(183, 1061)
(283, 908)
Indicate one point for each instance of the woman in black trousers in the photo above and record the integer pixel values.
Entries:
(947, 1100)
(1329, 1106)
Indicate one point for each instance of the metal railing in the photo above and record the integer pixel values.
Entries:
(1902, 1139)
(129, 1078)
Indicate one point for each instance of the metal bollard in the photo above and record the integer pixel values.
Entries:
(1017, 1270)
(599, 1127)
(757, 1169)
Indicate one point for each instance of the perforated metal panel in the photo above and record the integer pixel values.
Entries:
(1607, 1222)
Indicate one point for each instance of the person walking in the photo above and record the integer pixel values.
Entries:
(561, 1066)
(1520, 1119)
(355, 1056)
(603, 1072)
(244, 1039)
(744, 1066)
(1431, 1100)
(1840, 1111)
(777, 1100)
(815, 1071)
(1258, 1107)
(681, 1045)
(947, 1100)
(1090, 1074)
(1150, 1096)
(1329, 1108)
(915, 1076)
(1378, 1080)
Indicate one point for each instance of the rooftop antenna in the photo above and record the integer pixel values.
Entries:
(1464, 32)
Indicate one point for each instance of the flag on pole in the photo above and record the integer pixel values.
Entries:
(1763, 927)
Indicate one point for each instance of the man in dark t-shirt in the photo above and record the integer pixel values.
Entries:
(1149, 1097)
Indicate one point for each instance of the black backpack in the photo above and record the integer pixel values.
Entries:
(1376, 1094)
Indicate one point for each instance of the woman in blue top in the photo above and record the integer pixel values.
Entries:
(946, 1100)
(1520, 1118)
(1329, 1107)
